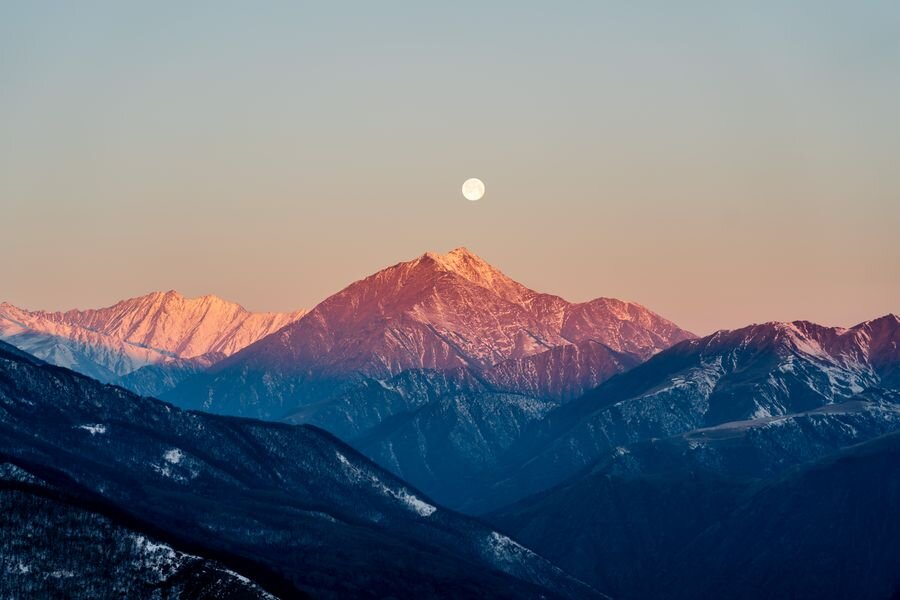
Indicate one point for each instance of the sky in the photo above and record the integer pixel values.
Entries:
(720, 164)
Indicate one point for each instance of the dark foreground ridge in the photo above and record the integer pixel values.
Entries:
(289, 507)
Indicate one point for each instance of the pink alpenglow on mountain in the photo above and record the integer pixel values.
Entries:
(84, 350)
(157, 328)
(442, 312)
(360, 356)
(450, 310)
(185, 327)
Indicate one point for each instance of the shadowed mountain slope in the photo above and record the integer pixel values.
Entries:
(291, 502)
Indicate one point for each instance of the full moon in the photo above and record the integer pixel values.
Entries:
(473, 189)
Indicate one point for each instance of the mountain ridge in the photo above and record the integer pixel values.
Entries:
(437, 311)
(154, 329)
(320, 515)
(703, 533)
(185, 327)
(750, 373)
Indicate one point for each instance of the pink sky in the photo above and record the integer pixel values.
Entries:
(721, 165)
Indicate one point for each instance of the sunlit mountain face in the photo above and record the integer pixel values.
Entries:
(140, 342)
(452, 313)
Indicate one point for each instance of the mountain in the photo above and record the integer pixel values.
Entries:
(162, 328)
(553, 375)
(443, 431)
(824, 529)
(179, 326)
(437, 312)
(756, 372)
(632, 511)
(54, 545)
(563, 372)
(291, 508)
(73, 347)
(157, 378)
(838, 514)
(450, 447)
(624, 531)
(454, 449)
(432, 367)
(368, 402)
(764, 447)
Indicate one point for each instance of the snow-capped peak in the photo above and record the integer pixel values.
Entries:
(466, 264)
(118, 339)
(184, 327)
(443, 311)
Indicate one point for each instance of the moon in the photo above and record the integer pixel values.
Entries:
(473, 189)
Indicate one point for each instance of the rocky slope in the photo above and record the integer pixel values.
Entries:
(757, 372)
(291, 506)
(73, 347)
(450, 447)
(55, 545)
(157, 378)
(162, 328)
(823, 529)
(436, 312)
(179, 326)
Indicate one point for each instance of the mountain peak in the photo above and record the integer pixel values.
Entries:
(176, 296)
(471, 267)
(153, 326)
(888, 319)
(456, 258)
(463, 253)
(443, 311)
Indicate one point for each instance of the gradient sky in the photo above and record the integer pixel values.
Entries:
(721, 165)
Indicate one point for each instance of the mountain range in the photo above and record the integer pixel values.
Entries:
(440, 313)
(823, 525)
(750, 374)
(289, 507)
(176, 335)
(591, 442)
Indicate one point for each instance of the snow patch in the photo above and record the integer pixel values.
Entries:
(61, 574)
(148, 547)
(94, 429)
(162, 560)
(761, 412)
(505, 549)
(422, 508)
(173, 456)
(20, 569)
(411, 501)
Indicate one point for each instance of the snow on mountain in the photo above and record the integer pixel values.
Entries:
(155, 329)
(74, 347)
(182, 327)
(622, 326)
(54, 546)
(753, 373)
(563, 372)
(435, 312)
(290, 507)
(444, 311)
